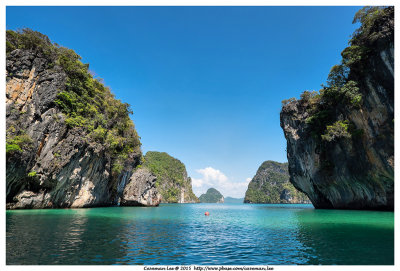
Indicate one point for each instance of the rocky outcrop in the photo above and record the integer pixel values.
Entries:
(173, 182)
(271, 185)
(349, 164)
(68, 171)
(212, 196)
(51, 161)
(141, 190)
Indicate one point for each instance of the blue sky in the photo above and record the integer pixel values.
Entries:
(205, 83)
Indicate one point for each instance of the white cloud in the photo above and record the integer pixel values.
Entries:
(197, 182)
(210, 174)
(211, 177)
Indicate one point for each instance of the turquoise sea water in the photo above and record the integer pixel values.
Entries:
(268, 234)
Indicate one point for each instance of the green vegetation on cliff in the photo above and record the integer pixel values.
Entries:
(85, 101)
(327, 109)
(271, 185)
(172, 180)
(17, 140)
(212, 196)
(340, 140)
(342, 91)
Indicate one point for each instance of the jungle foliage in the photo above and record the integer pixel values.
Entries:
(268, 186)
(171, 176)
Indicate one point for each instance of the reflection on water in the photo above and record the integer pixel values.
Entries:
(59, 239)
(347, 237)
(181, 234)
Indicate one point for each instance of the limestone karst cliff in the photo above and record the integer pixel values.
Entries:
(141, 190)
(172, 180)
(271, 185)
(212, 196)
(340, 141)
(70, 143)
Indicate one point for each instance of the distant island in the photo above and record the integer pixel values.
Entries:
(271, 185)
(212, 196)
(233, 200)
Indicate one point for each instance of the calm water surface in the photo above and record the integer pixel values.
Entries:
(180, 234)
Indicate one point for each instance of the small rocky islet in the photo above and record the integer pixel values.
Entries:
(212, 196)
(70, 143)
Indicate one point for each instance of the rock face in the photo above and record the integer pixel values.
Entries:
(141, 190)
(52, 162)
(173, 182)
(212, 196)
(271, 185)
(349, 164)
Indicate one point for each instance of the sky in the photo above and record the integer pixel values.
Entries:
(205, 83)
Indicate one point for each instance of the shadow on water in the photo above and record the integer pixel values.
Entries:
(342, 237)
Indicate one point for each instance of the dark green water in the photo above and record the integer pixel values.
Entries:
(181, 234)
